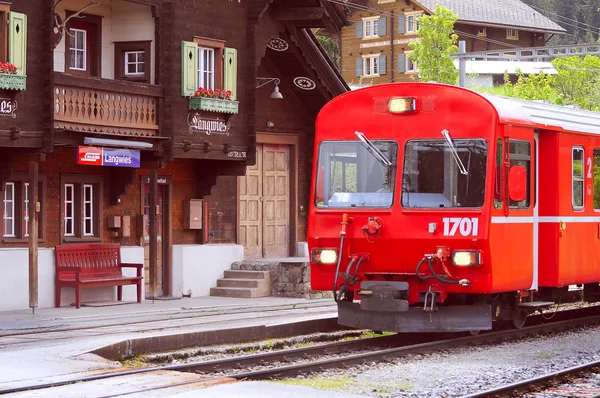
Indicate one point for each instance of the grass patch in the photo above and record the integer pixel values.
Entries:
(340, 384)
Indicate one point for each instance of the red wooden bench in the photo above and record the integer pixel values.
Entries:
(93, 265)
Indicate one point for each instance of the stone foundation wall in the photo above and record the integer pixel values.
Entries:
(288, 279)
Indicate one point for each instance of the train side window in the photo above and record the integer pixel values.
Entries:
(577, 200)
(596, 177)
(498, 187)
(520, 154)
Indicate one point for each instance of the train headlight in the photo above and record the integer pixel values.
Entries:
(401, 105)
(324, 256)
(466, 258)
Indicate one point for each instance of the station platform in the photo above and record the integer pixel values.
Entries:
(56, 344)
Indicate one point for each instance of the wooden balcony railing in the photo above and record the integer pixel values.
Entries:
(90, 104)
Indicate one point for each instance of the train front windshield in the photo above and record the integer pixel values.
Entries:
(437, 173)
(351, 174)
(444, 173)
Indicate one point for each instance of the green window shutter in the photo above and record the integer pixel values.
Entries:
(382, 26)
(359, 29)
(382, 64)
(230, 71)
(359, 66)
(401, 24)
(17, 41)
(189, 68)
(401, 63)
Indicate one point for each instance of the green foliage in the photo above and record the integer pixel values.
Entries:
(436, 45)
(578, 81)
(533, 87)
(331, 48)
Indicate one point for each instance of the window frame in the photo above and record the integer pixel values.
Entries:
(519, 156)
(512, 34)
(415, 22)
(84, 50)
(121, 49)
(372, 65)
(4, 10)
(79, 182)
(218, 47)
(582, 178)
(92, 24)
(408, 62)
(372, 23)
(21, 202)
(482, 32)
(595, 152)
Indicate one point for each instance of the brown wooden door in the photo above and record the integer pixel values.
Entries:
(264, 204)
(146, 240)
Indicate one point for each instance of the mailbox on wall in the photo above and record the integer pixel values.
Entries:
(192, 214)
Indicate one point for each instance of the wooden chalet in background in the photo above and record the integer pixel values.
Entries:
(374, 49)
(103, 140)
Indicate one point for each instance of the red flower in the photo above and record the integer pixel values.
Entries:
(210, 93)
(6, 67)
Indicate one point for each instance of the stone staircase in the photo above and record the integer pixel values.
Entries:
(243, 284)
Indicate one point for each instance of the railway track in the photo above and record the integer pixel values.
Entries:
(293, 362)
(549, 385)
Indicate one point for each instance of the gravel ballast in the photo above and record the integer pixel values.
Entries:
(463, 371)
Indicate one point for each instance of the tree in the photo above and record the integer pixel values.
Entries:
(577, 80)
(437, 42)
(331, 48)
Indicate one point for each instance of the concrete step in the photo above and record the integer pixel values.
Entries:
(238, 292)
(231, 282)
(240, 274)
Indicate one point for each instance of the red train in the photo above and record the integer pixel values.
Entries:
(435, 208)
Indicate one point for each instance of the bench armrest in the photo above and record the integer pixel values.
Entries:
(61, 268)
(140, 267)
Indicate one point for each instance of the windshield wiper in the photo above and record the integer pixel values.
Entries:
(373, 150)
(459, 163)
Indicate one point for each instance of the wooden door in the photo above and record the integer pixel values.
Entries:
(250, 208)
(264, 204)
(276, 190)
(146, 240)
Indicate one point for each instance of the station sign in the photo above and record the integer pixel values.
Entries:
(206, 125)
(8, 107)
(113, 157)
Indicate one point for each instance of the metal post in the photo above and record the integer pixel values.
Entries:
(153, 210)
(33, 234)
(462, 64)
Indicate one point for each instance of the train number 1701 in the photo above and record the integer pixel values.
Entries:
(464, 226)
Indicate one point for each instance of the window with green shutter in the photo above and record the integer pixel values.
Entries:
(17, 41)
(230, 72)
(189, 68)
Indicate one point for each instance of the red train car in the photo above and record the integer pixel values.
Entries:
(435, 208)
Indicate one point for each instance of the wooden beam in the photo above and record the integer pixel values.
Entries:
(297, 14)
(33, 235)
(153, 210)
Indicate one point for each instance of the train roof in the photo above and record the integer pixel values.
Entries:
(517, 111)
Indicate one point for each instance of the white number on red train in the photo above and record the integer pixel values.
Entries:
(464, 226)
(589, 164)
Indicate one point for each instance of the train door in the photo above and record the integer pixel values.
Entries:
(515, 231)
(536, 214)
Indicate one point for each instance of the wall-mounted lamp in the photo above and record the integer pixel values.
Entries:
(117, 143)
(262, 81)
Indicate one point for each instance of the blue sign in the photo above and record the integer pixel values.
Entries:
(117, 157)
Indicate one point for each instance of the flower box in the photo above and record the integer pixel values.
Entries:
(12, 82)
(214, 105)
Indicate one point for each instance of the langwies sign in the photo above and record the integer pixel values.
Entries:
(208, 126)
(114, 157)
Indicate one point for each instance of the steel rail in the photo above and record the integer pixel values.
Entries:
(387, 354)
(305, 353)
(225, 363)
(536, 384)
